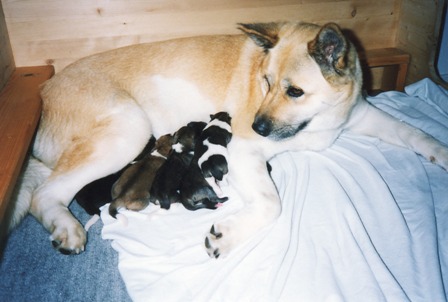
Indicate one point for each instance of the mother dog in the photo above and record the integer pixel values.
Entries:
(287, 86)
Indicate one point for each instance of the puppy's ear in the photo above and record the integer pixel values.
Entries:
(330, 49)
(264, 35)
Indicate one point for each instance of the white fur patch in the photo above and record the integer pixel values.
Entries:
(212, 182)
(157, 154)
(219, 124)
(178, 147)
(212, 150)
(173, 97)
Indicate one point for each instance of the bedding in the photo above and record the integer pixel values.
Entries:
(361, 221)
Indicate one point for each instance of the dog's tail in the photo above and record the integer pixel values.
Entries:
(34, 173)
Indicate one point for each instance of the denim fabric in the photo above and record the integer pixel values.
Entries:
(31, 270)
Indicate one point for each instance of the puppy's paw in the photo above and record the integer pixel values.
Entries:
(69, 238)
(218, 241)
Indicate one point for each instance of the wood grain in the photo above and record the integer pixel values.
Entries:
(20, 108)
(6, 57)
(60, 32)
(416, 33)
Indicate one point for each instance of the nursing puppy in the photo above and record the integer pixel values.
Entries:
(212, 153)
(165, 188)
(287, 86)
(196, 192)
(132, 189)
(198, 188)
(99, 192)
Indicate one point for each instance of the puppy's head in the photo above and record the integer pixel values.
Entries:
(309, 78)
(187, 136)
(197, 127)
(164, 144)
(222, 116)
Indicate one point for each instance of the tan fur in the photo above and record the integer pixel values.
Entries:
(99, 112)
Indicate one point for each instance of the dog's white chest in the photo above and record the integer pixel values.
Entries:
(173, 102)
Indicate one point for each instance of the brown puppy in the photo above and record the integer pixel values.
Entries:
(287, 86)
(131, 190)
(98, 193)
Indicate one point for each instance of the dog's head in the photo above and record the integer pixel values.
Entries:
(309, 78)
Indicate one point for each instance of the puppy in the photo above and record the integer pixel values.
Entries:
(166, 185)
(196, 191)
(132, 189)
(212, 154)
(97, 193)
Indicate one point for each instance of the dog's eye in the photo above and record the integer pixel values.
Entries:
(294, 92)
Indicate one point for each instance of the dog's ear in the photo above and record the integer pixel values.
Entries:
(330, 49)
(264, 35)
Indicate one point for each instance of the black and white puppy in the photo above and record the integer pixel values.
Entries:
(195, 191)
(166, 185)
(212, 156)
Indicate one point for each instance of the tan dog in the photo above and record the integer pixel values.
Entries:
(131, 190)
(287, 86)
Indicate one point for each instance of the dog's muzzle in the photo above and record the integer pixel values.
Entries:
(262, 126)
(267, 128)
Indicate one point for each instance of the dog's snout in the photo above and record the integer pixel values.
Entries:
(262, 126)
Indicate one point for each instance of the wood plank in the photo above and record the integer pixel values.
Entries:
(384, 57)
(393, 77)
(190, 22)
(55, 32)
(416, 33)
(20, 108)
(6, 57)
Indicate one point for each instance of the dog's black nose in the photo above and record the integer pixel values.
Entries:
(262, 126)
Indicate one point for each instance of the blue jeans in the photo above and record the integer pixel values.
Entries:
(31, 270)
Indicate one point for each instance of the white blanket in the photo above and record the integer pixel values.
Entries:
(361, 221)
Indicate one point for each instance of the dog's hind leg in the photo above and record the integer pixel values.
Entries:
(106, 148)
(33, 175)
(368, 120)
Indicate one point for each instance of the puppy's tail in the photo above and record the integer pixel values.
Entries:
(34, 173)
(114, 206)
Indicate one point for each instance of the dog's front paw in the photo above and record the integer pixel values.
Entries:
(69, 238)
(219, 241)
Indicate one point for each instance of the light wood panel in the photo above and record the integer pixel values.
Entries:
(417, 35)
(59, 32)
(6, 57)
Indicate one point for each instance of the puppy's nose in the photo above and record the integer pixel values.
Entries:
(262, 126)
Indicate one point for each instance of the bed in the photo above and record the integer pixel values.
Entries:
(361, 221)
